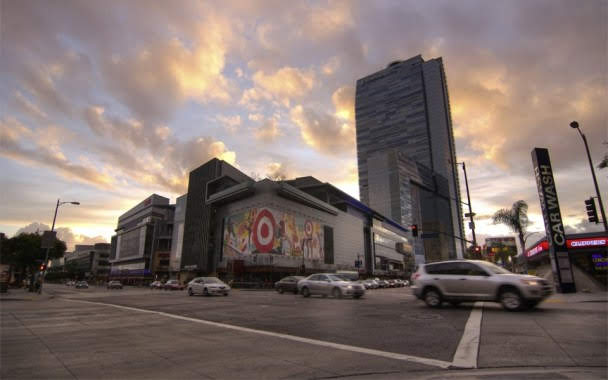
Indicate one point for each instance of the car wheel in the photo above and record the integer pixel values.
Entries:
(511, 299)
(432, 297)
(205, 292)
(190, 292)
(336, 293)
(305, 292)
(280, 290)
(225, 294)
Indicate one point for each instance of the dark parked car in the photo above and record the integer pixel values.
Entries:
(173, 285)
(288, 284)
(81, 285)
(114, 285)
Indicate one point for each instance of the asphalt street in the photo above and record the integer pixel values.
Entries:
(139, 333)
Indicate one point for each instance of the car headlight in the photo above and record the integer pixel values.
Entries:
(349, 286)
(530, 282)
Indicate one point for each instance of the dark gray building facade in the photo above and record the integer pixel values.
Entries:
(198, 239)
(406, 154)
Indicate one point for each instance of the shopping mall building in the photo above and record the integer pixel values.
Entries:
(254, 232)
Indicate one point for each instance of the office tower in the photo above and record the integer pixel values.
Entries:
(406, 154)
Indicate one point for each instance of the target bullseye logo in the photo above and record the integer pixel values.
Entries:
(263, 231)
(308, 228)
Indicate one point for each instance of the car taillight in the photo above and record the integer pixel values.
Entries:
(415, 276)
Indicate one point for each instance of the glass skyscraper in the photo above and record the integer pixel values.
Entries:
(406, 154)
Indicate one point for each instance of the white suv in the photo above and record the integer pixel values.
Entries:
(476, 280)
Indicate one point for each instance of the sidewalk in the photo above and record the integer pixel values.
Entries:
(577, 297)
(21, 294)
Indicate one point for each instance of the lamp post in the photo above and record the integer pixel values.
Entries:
(46, 258)
(470, 214)
(574, 125)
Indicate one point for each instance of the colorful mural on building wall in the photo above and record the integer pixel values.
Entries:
(264, 230)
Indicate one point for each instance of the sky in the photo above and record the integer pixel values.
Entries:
(107, 102)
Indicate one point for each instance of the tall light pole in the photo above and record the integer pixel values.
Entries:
(46, 258)
(574, 125)
(470, 214)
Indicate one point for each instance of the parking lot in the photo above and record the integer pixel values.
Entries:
(104, 333)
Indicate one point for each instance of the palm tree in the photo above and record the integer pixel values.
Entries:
(516, 219)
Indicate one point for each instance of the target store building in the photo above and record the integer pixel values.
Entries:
(259, 231)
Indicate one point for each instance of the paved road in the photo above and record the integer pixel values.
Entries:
(97, 333)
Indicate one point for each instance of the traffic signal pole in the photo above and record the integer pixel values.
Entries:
(575, 125)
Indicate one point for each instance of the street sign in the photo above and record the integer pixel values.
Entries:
(48, 239)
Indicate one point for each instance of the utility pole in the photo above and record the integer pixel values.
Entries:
(470, 214)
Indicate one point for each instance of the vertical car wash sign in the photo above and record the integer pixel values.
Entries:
(547, 193)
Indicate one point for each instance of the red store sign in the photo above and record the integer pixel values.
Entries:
(571, 243)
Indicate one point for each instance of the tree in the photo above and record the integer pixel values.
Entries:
(516, 219)
(26, 253)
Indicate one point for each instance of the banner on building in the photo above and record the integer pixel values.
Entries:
(265, 230)
(547, 193)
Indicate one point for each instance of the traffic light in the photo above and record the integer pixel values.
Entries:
(42, 267)
(414, 228)
(477, 250)
(591, 210)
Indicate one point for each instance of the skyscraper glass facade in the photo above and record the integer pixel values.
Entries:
(406, 154)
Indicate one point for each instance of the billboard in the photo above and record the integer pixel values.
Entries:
(265, 230)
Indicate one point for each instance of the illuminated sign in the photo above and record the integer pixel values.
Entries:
(542, 246)
(589, 242)
(554, 227)
(571, 243)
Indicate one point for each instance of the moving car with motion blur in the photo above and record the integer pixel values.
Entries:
(475, 280)
(156, 285)
(114, 285)
(81, 285)
(288, 284)
(208, 286)
(326, 284)
(173, 285)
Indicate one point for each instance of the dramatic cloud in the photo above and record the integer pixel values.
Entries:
(268, 131)
(134, 94)
(148, 154)
(285, 84)
(40, 148)
(63, 233)
(323, 132)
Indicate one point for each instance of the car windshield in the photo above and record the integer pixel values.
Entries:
(212, 280)
(333, 277)
(494, 268)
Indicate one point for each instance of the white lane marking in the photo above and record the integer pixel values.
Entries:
(468, 348)
(368, 351)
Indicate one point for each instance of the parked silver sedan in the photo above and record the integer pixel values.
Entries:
(329, 284)
(207, 286)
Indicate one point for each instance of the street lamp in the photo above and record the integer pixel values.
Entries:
(470, 214)
(574, 125)
(46, 258)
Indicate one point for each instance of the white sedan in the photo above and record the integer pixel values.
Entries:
(207, 286)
